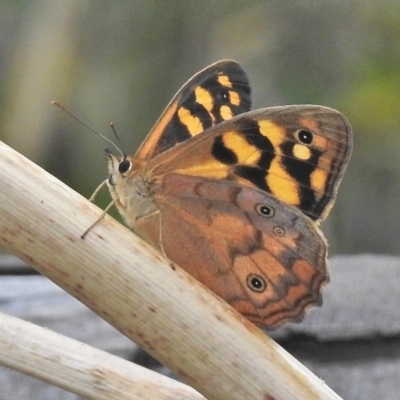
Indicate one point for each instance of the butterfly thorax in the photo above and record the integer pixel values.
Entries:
(132, 188)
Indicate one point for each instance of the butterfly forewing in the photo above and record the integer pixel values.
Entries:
(296, 153)
(217, 93)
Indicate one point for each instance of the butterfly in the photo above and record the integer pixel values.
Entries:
(235, 196)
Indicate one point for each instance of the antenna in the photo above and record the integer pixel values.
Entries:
(56, 103)
(118, 139)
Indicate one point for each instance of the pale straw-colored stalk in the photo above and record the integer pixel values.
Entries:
(81, 369)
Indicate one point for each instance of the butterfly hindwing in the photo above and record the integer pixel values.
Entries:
(296, 153)
(213, 95)
(264, 258)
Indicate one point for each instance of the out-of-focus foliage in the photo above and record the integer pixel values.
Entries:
(124, 60)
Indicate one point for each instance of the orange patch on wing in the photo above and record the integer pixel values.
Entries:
(192, 122)
(224, 81)
(234, 98)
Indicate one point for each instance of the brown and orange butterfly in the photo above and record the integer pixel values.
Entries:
(235, 196)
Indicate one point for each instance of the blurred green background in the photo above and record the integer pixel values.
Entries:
(124, 60)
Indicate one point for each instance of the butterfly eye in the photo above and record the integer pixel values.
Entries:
(111, 180)
(265, 211)
(304, 136)
(256, 283)
(124, 166)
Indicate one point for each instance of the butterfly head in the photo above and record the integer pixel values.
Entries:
(120, 167)
(129, 186)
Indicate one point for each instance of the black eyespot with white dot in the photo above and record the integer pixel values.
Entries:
(225, 96)
(265, 210)
(256, 283)
(124, 166)
(304, 136)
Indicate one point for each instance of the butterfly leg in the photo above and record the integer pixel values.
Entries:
(98, 219)
(160, 245)
(102, 184)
